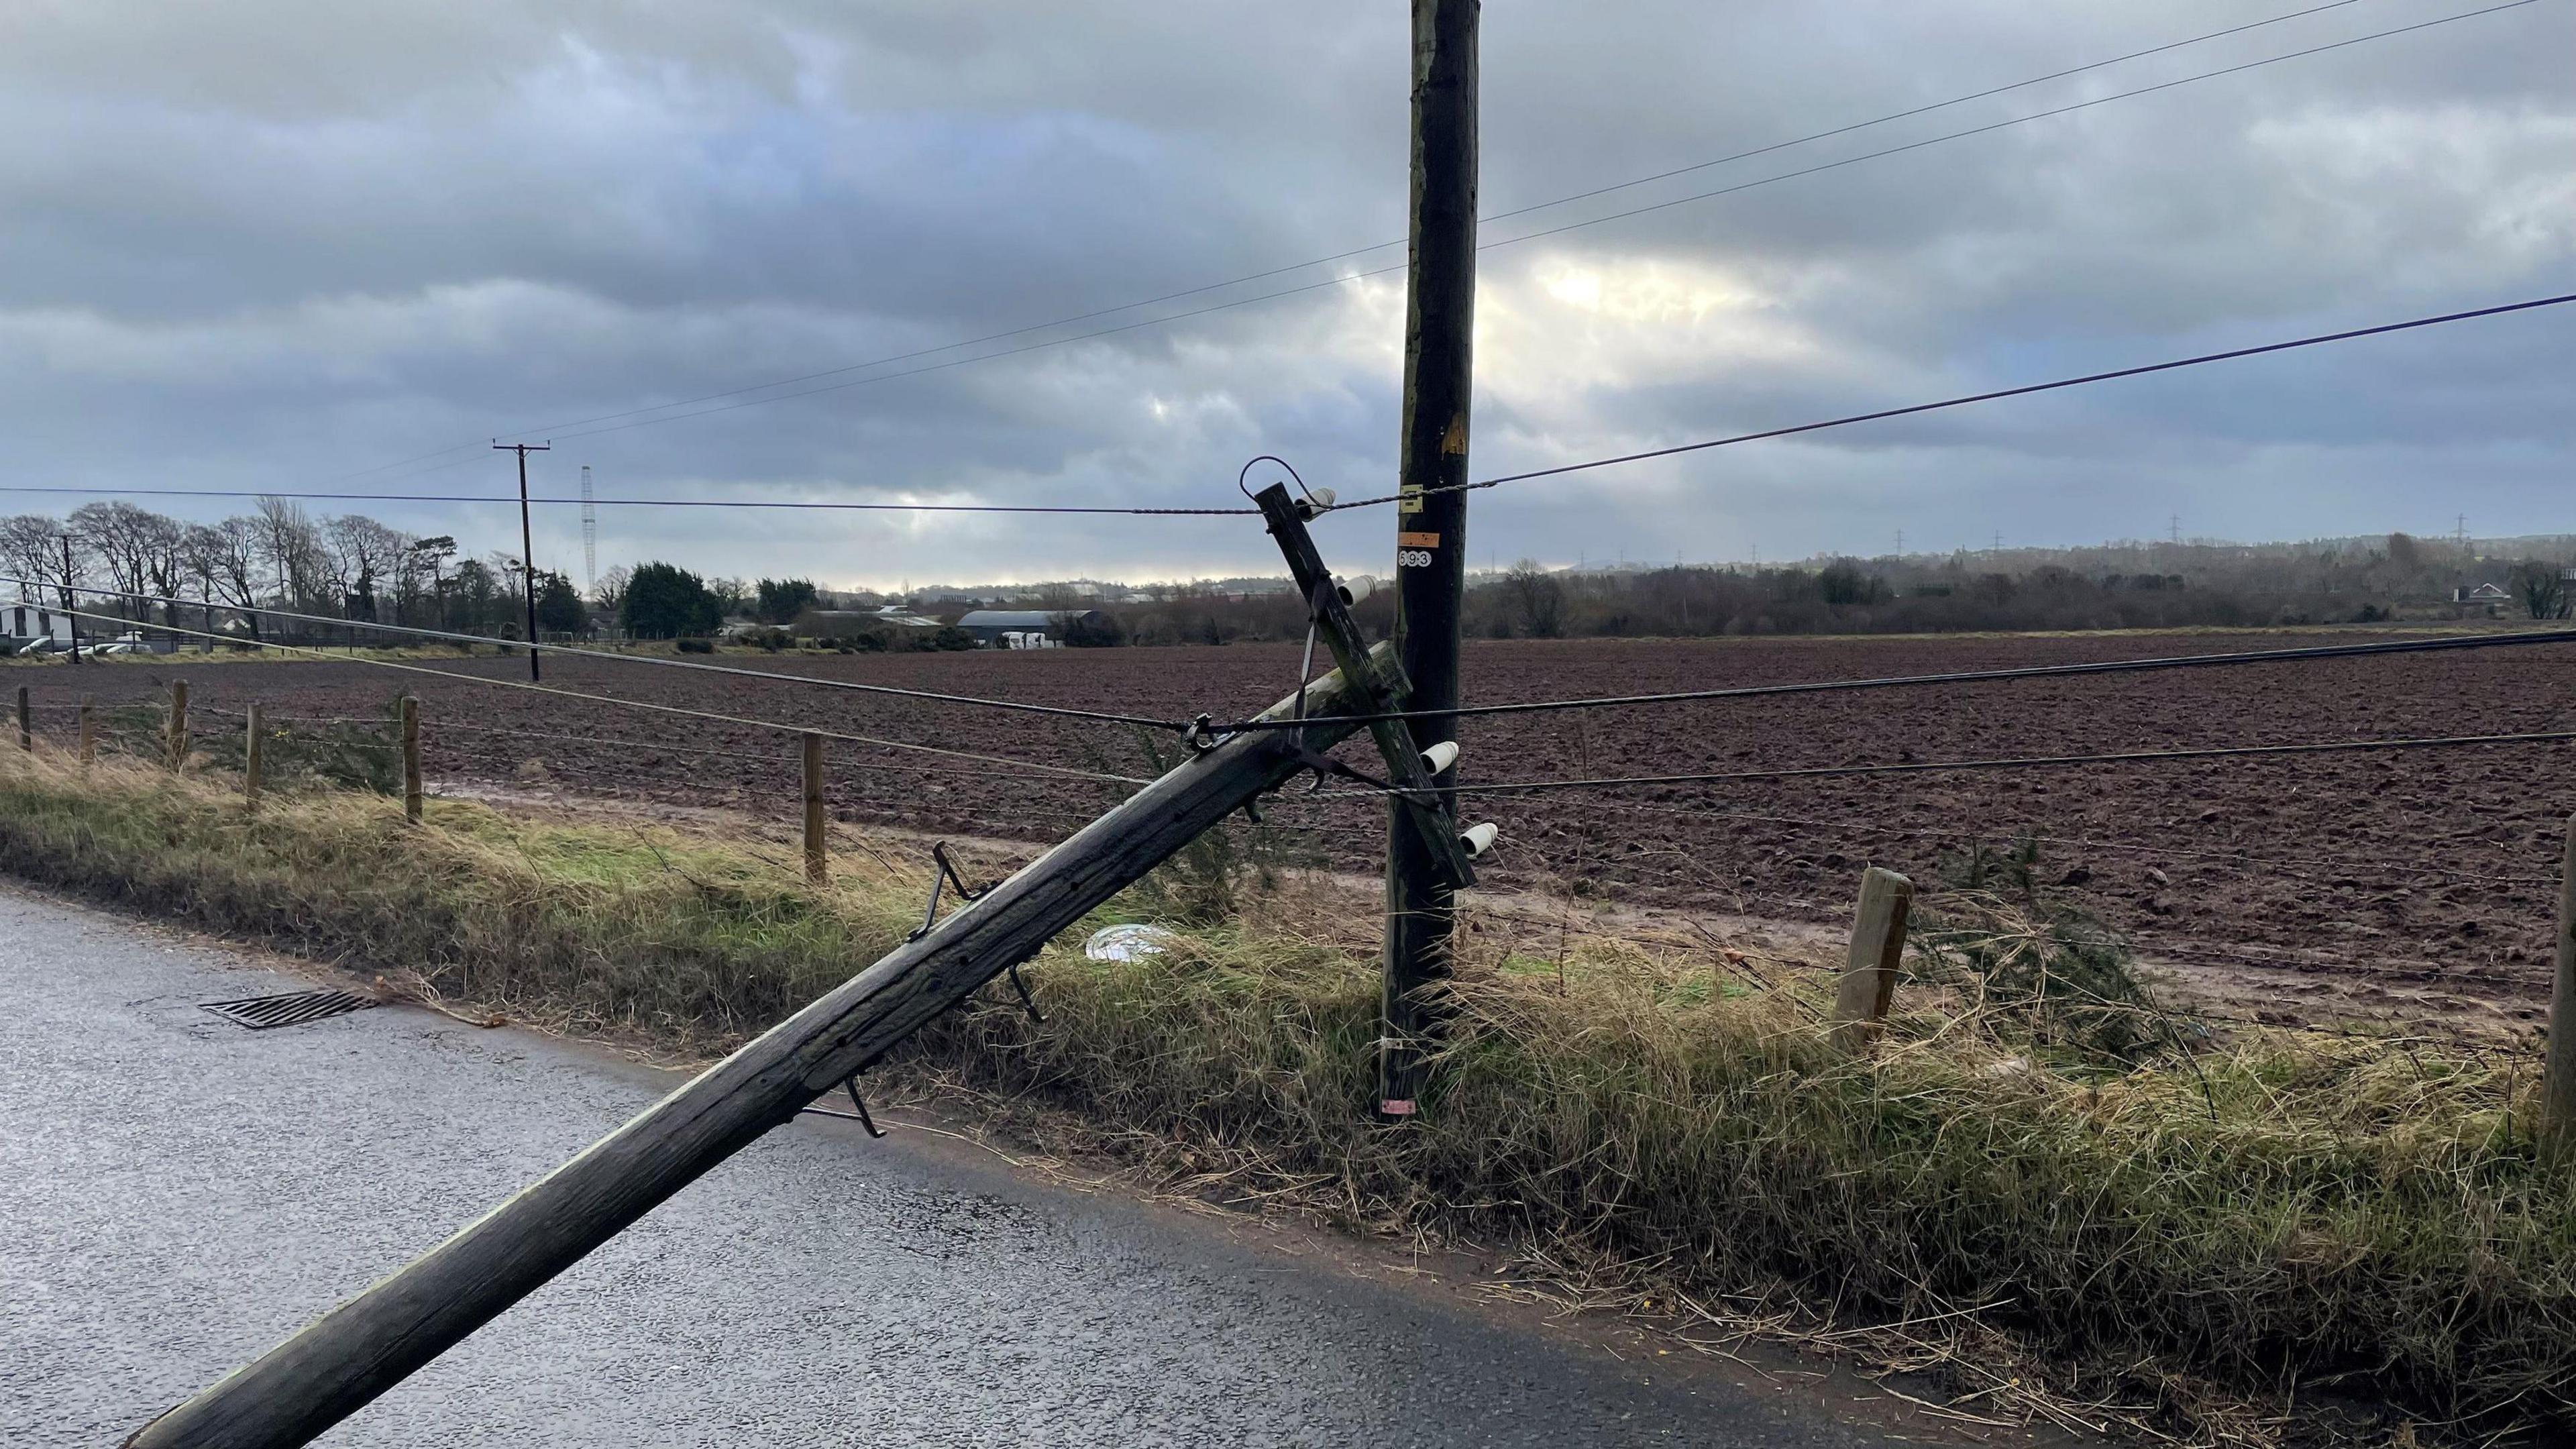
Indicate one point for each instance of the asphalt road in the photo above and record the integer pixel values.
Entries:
(176, 1193)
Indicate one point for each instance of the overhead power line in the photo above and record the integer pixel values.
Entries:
(2308, 653)
(682, 711)
(635, 417)
(2018, 762)
(313, 495)
(2025, 390)
(1783, 432)
(453, 637)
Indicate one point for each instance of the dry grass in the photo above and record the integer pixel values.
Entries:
(2274, 1218)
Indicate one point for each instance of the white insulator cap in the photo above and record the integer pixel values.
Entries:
(1315, 502)
(1355, 589)
(1479, 838)
(1440, 756)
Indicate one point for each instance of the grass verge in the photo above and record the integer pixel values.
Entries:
(2273, 1218)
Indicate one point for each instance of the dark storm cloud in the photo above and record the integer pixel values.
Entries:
(280, 243)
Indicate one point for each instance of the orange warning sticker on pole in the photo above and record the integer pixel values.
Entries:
(1417, 540)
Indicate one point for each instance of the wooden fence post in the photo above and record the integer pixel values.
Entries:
(177, 741)
(411, 757)
(2558, 1071)
(26, 721)
(1868, 986)
(251, 751)
(814, 869)
(88, 728)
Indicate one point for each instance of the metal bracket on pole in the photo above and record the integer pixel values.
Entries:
(945, 875)
(860, 1104)
(1341, 634)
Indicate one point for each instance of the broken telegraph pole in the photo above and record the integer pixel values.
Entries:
(365, 1346)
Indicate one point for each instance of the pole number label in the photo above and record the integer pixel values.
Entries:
(1413, 558)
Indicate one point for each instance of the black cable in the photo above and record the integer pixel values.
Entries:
(1062, 711)
(2092, 377)
(2130, 757)
(1963, 676)
(1509, 241)
(513, 498)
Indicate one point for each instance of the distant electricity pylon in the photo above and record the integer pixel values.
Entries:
(589, 537)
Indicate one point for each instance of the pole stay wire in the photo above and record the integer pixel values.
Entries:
(1016, 706)
(683, 711)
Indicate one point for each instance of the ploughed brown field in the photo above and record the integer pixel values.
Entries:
(2435, 867)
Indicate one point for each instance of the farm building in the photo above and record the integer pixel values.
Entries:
(991, 627)
(24, 626)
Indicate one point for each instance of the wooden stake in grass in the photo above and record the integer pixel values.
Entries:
(814, 870)
(2558, 1072)
(1868, 985)
(251, 751)
(411, 757)
(26, 721)
(177, 740)
(88, 728)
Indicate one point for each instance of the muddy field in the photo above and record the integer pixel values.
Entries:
(2413, 869)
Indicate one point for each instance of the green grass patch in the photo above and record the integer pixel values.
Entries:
(2275, 1214)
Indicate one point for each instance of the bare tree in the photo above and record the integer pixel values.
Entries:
(1537, 599)
(290, 549)
(610, 593)
(225, 557)
(360, 554)
(31, 544)
(130, 544)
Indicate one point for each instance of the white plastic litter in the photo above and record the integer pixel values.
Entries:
(1128, 943)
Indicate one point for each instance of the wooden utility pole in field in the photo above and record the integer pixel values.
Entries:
(367, 1345)
(527, 544)
(1431, 519)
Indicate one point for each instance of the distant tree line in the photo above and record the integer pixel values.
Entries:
(353, 567)
(277, 556)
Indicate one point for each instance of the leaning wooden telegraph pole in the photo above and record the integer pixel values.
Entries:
(367, 1345)
(1431, 517)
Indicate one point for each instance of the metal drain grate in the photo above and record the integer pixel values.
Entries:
(293, 1008)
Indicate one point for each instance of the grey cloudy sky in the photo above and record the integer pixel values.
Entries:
(286, 243)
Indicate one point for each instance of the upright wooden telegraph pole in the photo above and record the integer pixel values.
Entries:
(1431, 518)
(527, 544)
